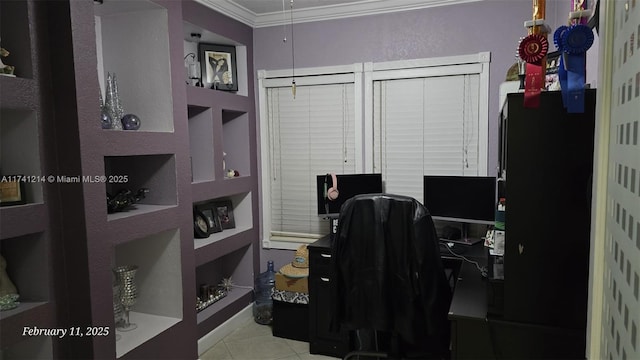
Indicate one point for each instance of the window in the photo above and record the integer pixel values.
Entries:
(310, 135)
(420, 117)
(429, 119)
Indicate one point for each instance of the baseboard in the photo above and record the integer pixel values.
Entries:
(214, 336)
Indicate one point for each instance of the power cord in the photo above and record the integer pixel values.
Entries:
(482, 269)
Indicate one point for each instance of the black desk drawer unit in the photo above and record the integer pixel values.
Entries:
(321, 339)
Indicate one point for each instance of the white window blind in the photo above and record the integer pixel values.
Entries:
(310, 135)
(425, 126)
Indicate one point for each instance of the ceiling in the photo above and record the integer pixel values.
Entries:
(263, 13)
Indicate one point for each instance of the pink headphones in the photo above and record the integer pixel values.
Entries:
(332, 192)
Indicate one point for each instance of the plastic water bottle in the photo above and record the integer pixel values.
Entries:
(263, 304)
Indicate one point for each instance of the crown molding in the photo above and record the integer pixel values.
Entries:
(232, 10)
(321, 13)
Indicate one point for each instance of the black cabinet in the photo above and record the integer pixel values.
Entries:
(321, 339)
(547, 156)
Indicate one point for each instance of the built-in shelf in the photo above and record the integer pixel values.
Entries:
(21, 220)
(219, 246)
(232, 296)
(201, 143)
(17, 93)
(136, 210)
(16, 36)
(149, 326)
(157, 173)
(144, 86)
(236, 265)
(20, 150)
(209, 37)
(159, 286)
(137, 142)
(28, 313)
(242, 214)
(206, 190)
(235, 132)
(27, 265)
(27, 260)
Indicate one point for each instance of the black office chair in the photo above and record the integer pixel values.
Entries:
(390, 281)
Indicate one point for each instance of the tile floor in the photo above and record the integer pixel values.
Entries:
(253, 341)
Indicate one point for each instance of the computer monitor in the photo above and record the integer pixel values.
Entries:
(463, 199)
(349, 185)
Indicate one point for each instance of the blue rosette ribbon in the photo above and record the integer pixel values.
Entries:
(576, 40)
(562, 71)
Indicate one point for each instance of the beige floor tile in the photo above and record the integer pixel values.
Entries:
(249, 330)
(217, 352)
(261, 347)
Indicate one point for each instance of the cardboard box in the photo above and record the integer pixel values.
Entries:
(292, 284)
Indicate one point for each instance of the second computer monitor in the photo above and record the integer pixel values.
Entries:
(466, 199)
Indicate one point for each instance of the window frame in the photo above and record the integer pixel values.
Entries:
(304, 76)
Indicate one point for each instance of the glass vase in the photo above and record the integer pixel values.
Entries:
(125, 278)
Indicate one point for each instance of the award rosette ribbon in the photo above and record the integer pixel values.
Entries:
(575, 41)
(562, 71)
(533, 50)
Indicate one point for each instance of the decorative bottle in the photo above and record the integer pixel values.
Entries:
(263, 304)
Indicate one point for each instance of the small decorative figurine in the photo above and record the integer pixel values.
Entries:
(6, 70)
(123, 199)
(8, 292)
(130, 122)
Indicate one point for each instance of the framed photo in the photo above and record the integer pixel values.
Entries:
(218, 66)
(209, 214)
(12, 191)
(553, 61)
(552, 82)
(200, 225)
(224, 210)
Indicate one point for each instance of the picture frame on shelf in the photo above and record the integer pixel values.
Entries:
(200, 224)
(12, 191)
(218, 66)
(209, 212)
(224, 210)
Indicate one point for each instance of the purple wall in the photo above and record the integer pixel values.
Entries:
(493, 25)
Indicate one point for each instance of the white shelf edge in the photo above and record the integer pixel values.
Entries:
(233, 296)
(137, 209)
(149, 326)
(215, 237)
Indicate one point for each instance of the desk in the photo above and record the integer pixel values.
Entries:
(474, 335)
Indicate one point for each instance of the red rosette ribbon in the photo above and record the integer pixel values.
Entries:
(533, 48)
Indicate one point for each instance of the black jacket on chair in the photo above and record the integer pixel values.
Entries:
(389, 276)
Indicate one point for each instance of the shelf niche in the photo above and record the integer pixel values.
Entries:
(154, 172)
(27, 266)
(19, 130)
(208, 37)
(16, 37)
(235, 130)
(232, 265)
(141, 63)
(201, 143)
(242, 214)
(159, 283)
